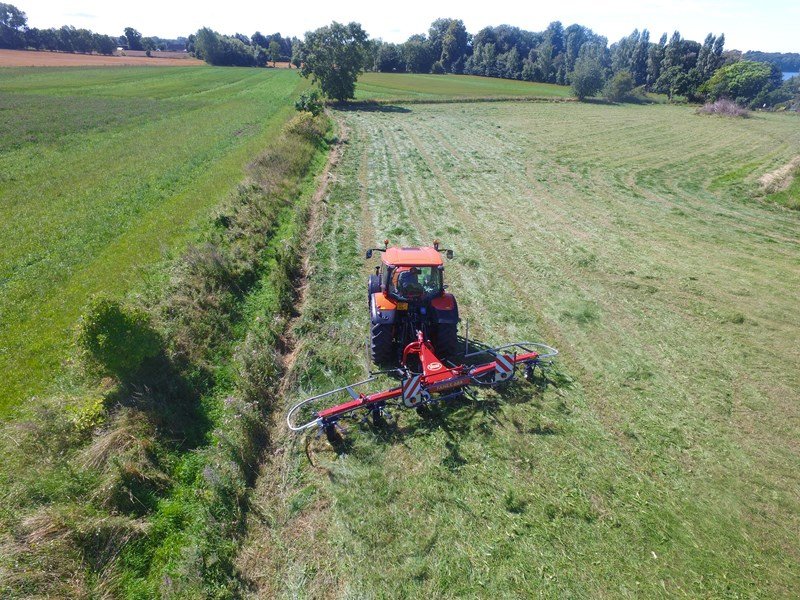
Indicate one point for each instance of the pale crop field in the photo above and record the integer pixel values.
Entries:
(662, 461)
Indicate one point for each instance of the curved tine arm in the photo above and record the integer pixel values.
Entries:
(550, 352)
(294, 409)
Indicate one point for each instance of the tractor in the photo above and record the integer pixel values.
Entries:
(407, 295)
(413, 325)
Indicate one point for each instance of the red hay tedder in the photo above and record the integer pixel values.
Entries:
(414, 324)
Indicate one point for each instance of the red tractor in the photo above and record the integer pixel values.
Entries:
(413, 330)
(407, 296)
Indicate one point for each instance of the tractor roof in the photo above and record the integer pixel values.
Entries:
(427, 256)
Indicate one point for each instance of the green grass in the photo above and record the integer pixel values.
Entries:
(407, 86)
(102, 170)
(790, 197)
(662, 462)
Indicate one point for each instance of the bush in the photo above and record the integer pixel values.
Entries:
(619, 87)
(309, 102)
(117, 338)
(438, 68)
(587, 78)
(724, 108)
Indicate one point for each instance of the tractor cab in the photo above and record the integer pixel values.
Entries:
(407, 294)
(412, 274)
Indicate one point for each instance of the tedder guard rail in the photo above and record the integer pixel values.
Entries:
(434, 384)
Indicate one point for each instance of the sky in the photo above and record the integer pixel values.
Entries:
(768, 25)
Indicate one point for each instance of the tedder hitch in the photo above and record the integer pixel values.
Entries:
(424, 379)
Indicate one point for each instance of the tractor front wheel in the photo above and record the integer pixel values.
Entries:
(381, 344)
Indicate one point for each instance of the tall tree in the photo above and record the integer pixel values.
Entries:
(334, 56)
(134, 38)
(12, 26)
(455, 44)
(274, 51)
(655, 57)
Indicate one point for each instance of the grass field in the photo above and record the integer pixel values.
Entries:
(101, 171)
(662, 462)
(387, 86)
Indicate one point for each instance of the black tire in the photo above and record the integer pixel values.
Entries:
(447, 340)
(381, 345)
(374, 284)
(332, 435)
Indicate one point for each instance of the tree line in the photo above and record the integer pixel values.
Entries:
(15, 34)
(239, 50)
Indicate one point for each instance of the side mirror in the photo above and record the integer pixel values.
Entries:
(369, 253)
(449, 254)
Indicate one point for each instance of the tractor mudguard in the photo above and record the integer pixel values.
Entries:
(382, 309)
(446, 308)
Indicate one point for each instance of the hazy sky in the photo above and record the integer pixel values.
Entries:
(769, 25)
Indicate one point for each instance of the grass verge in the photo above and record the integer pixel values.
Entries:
(140, 484)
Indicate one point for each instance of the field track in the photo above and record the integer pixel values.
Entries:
(28, 58)
(663, 461)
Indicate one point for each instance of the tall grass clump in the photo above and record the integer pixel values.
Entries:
(136, 484)
(723, 108)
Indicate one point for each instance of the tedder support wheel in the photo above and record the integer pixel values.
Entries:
(381, 344)
(332, 435)
(447, 339)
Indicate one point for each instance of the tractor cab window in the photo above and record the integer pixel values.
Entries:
(415, 282)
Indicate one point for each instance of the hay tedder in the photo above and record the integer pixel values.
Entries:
(413, 330)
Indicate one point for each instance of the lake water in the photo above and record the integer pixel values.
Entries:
(788, 75)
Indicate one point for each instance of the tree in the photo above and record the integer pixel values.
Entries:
(587, 77)
(134, 38)
(388, 59)
(12, 26)
(418, 54)
(655, 58)
(221, 50)
(747, 82)
(297, 53)
(104, 44)
(334, 56)
(455, 43)
(274, 51)
(619, 86)
(257, 39)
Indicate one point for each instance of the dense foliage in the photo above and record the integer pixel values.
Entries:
(333, 56)
(747, 82)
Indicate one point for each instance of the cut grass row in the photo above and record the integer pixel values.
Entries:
(663, 462)
(102, 171)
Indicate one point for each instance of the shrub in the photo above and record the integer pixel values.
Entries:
(116, 337)
(438, 68)
(309, 102)
(619, 87)
(724, 108)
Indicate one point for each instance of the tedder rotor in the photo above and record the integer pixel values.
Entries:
(413, 324)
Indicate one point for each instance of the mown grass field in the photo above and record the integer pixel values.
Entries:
(663, 460)
(102, 170)
(407, 86)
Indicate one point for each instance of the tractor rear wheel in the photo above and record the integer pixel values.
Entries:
(381, 344)
(447, 340)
